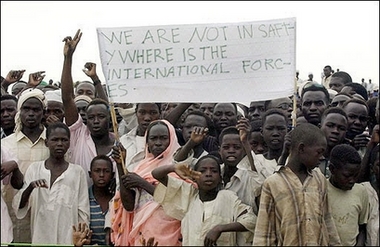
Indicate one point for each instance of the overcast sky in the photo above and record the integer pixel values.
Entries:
(344, 35)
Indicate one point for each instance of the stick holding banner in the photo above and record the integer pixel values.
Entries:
(115, 130)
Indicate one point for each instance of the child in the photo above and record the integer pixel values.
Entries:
(256, 140)
(348, 199)
(101, 173)
(293, 206)
(194, 121)
(209, 216)
(56, 192)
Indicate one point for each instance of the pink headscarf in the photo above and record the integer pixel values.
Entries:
(126, 226)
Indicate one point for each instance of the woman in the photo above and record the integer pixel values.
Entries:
(141, 217)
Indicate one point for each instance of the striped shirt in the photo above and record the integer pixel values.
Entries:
(97, 219)
(295, 214)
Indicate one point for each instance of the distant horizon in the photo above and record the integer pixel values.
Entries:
(344, 35)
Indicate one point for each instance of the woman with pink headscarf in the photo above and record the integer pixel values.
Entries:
(135, 216)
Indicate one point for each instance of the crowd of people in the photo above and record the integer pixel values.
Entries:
(79, 170)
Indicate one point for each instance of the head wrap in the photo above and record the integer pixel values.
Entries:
(25, 95)
(82, 97)
(54, 95)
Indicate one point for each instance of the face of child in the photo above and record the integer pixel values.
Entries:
(146, 113)
(190, 122)
(334, 125)
(312, 154)
(58, 142)
(98, 120)
(344, 177)
(224, 115)
(101, 173)
(274, 131)
(231, 150)
(257, 143)
(357, 117)
(158, 139)
(210, 175)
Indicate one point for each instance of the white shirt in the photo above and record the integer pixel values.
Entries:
(56, 209)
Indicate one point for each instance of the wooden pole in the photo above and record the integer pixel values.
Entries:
(115, 130)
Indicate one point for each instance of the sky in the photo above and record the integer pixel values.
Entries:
(342, 34)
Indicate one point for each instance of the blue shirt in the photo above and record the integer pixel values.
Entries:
(97, 219)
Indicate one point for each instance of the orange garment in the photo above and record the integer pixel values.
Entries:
(149, 220)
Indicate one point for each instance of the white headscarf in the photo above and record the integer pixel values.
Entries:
(25, 95)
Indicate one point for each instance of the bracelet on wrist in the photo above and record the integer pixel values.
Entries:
(96, 82)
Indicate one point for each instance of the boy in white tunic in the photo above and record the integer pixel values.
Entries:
(55, 191)
(209, 215)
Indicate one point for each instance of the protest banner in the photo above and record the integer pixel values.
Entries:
(233, 62)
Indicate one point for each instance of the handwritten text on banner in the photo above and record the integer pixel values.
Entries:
(238, 62)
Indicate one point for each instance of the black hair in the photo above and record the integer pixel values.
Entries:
(328, 67)
(196, 166)
(312, 86)
(233, 104)
(344, 75)
(306, 133)
(355, 100)
(272, 112)
(226, 131)
(102, 157)
(358, 88)
(57, 125)
(158, 105)
(343, 93)
(343, 154)
(334, 109)
(154, 123)
(202, 114)
(9, 96)
(98, 101)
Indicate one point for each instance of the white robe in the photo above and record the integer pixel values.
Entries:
(180, 200)
(54, 210)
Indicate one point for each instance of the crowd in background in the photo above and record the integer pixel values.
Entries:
(298, 170)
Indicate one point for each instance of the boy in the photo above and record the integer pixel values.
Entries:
(101, 173)
(56, 192)
(293, 205)
(209, 216)
(348, 199)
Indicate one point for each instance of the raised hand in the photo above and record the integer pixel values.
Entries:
(90, 69)
(52, 119)
(36, 78)
(244, 128)
(185, 172)
(71, 43)
(198, 134)
(14, 75)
